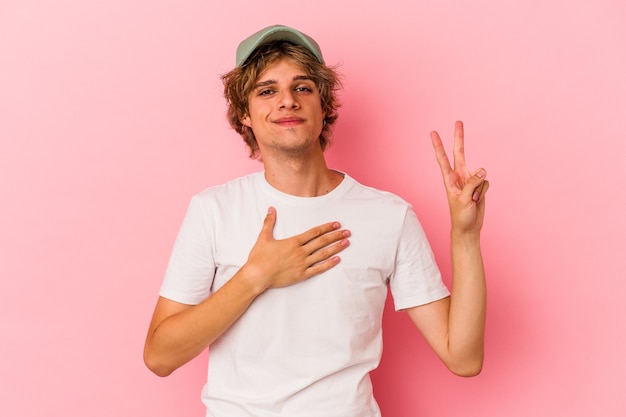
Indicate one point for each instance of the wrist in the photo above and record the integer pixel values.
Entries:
(250, 278)
(465, 236)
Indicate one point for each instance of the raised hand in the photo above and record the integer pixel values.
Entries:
(465, 190)
(279, 263)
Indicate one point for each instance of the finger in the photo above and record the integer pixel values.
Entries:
(267, 231)
(328, 251)
(480, 208)
(477, 192)
(459, 149)
(471, 190)
(320, 267)
(314, 245)
(316, 232)
(483, 190)
(325, 258)
(440, 154)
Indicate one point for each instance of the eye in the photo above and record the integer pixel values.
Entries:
(303, 89)
(266, 92)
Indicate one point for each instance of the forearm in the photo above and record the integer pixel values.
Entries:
(182, 336)
(179, 332)
(467, 304)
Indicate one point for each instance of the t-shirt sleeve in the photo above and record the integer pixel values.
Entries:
(191, 267)
(416, 279)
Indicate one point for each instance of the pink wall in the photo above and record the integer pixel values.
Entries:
(111, 117)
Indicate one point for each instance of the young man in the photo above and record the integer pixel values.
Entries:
(292, 314)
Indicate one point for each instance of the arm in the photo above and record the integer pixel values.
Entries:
(455, 326)
(179, 332)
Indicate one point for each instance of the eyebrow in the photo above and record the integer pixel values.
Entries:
(272, 82)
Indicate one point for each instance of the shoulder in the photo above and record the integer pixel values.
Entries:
(241, 183)
(231, 189)
(375, 207)
(374, 195)
(219, 200)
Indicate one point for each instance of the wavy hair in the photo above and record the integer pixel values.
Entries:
(239, 83)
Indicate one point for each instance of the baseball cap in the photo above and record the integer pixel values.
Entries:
(276, 33)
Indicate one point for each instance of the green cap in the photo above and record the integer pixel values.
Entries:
(276, 33)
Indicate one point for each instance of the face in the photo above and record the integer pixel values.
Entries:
(285, 111)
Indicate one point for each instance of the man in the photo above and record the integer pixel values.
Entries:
(292, 314)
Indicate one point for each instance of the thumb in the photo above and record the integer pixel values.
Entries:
(474, 184)
(267, 231)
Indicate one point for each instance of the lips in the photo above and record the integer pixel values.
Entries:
(289, 121)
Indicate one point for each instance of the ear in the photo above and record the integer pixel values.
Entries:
(246, 121)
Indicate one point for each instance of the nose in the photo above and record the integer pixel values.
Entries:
(288, 100)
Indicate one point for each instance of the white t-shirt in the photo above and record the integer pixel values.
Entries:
(304, 350)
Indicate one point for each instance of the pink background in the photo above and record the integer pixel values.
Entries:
(111, 117)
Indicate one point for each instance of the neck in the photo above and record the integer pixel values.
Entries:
(302, 177)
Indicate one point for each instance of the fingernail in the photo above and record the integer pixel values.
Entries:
(481, 173)
(475, 196)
